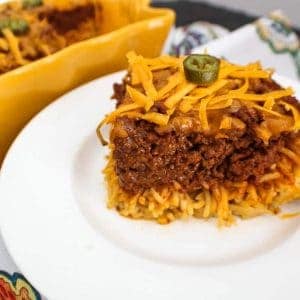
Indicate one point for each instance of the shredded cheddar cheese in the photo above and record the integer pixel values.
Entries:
(188, 102)
(220, 105)
(4, 45)
(226, 122)
(179, 96)
(295, 112)
(139, 98)
(182, 90)
(173, 81)
(269, 103)
(156, 118)
(250, 74)
(202, 113)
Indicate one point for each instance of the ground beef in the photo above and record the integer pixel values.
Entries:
(159, 106)
(120, 90)
(65, 20)
(250, 116)
(148, 158)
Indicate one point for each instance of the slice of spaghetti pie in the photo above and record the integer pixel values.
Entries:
(197, 136)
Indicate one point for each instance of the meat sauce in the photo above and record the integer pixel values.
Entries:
(148, 157)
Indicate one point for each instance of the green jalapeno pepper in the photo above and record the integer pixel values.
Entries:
(31, 3)
(202, 69)
(17, 26)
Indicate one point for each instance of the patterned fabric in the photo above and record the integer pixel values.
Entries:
(186, 38)
(277, 32)
(16, 287)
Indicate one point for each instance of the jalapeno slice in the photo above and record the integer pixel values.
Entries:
(31, 3)
(202, 69)
(17, 26)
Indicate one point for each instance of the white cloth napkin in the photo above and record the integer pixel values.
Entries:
(269, 40)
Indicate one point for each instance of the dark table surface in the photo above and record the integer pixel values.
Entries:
(190, 11)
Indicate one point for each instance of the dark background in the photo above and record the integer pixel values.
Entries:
(189, 11)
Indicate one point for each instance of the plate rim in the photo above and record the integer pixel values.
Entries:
(65, 97)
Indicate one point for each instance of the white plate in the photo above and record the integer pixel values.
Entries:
(56, 225)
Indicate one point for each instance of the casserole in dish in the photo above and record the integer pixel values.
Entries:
(123, 25)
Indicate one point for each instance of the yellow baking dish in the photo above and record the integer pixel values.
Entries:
(127, 25)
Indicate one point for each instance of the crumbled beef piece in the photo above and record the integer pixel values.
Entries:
(159, 107)
(250, 116)
(120, 90)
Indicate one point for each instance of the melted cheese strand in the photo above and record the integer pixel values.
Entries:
(173, 81)
(202, 113)
(139, 98)
(182, 90)
(250, 74)
(188, 102)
